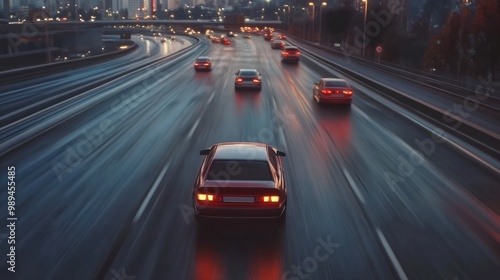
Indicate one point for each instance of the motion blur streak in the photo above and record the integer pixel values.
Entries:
(431, 212)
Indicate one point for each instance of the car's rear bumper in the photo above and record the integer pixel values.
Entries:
(206, 68)
(339, 100)
(243, 85)
(290, 58)
(239, 212)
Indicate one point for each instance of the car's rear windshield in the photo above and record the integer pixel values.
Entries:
(234, 170)
(292, 49)
(203, 59)
(336, 84)
(248, 73)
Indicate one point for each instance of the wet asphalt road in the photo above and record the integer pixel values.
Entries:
(106, 191)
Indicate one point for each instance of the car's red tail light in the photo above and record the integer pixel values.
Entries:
(325, 91)
(206, 64)
(285, 53)
(209, 197)
(239, 80)
(268, 199)
(256, 80)
(196, 64)
(348, 92)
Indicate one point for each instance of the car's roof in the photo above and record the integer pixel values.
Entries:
(203, 58)
(241, 151)
(248, 71)
(291, 47)
(333, 80)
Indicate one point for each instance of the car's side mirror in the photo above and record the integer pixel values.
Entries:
(280, 153)
(204, 152)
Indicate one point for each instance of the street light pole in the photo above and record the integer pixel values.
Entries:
(320, 13)
(364, 28)
(312, 4)
(288, 19)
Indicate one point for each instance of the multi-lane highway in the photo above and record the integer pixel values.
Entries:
(104, 175)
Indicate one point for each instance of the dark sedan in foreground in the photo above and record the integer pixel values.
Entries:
(248, 78)
(203, 63)
(241, 180)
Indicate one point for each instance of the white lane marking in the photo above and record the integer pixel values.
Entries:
(150, 194)
(392, 256)
(190, 134)
(282, 136)
(274, 103)
(353, 185)
(211, 97)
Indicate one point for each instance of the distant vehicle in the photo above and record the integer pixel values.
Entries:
(272, 39)
(248, 78)
(268, 35)
(61, 58)
(282, 36)
(230, 34)
(277, 44)
(203, 63)
(257, 190)
(290, 53)
(225, 41)
(246, 36)
(172, 38)
(332, 90)
(215, 39)
(163, 40)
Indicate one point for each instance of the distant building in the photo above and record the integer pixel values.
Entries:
(173, 4)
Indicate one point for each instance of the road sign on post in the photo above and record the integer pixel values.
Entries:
(379, 50)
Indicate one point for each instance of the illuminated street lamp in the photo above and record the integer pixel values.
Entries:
(320, 13)
(312, 4)
(364, 28)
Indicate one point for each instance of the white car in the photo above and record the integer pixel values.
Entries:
(332, 90)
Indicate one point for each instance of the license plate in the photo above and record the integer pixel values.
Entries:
(243, 199)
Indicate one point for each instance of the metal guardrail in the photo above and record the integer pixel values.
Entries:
(20, 74)
(492, 104)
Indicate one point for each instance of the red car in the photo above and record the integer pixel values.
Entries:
(241, 180)
(203, 63)
(225, 41)
(332, 90)
(282, 36)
